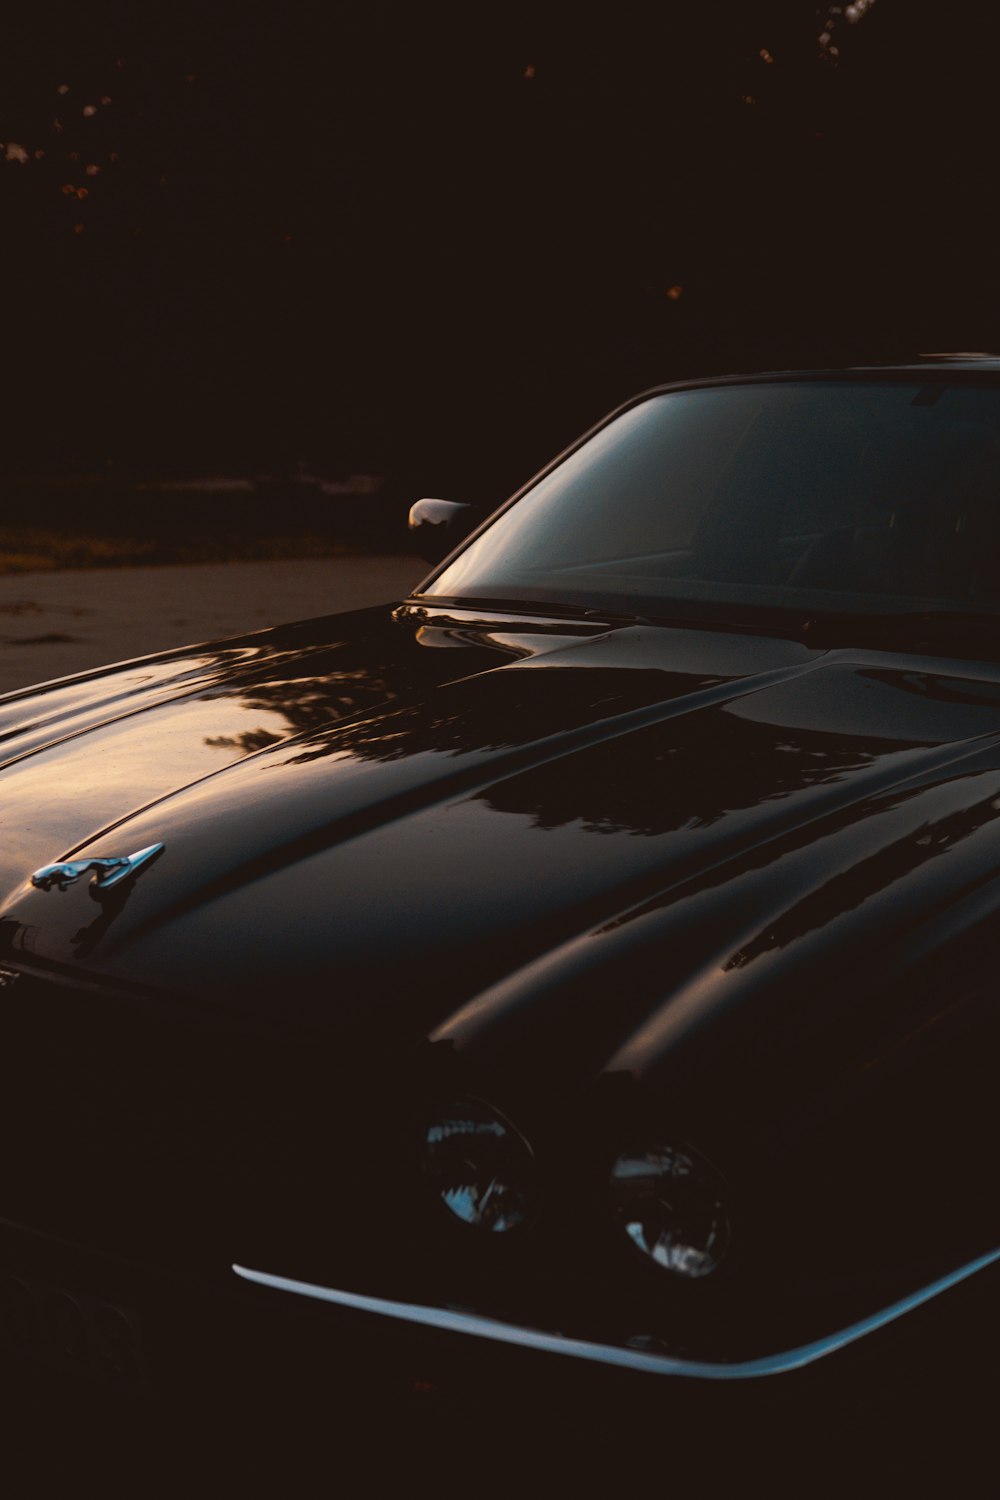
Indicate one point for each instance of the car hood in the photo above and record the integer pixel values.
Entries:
(376, 820)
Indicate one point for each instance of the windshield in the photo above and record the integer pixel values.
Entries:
(821, 497)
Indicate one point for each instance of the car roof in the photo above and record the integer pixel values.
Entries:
(924, 362)
(970, 366)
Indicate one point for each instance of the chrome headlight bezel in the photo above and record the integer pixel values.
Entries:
(671, 1206)
(481, 1167)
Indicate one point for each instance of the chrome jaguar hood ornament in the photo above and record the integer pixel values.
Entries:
(108, 873)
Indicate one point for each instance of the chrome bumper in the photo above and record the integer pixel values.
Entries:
(623, 1356)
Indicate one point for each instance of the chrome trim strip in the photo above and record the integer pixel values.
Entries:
(450, 1321)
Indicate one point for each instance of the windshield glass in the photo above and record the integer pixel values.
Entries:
(818, 496)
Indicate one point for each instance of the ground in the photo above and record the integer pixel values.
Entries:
(55, 623)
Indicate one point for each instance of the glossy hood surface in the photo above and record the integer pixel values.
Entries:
(373, 816)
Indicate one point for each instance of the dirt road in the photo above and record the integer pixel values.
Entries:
(52, 624)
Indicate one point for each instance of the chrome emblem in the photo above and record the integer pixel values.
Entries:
(108, 873)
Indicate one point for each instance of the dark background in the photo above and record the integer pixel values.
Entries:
(437, 241)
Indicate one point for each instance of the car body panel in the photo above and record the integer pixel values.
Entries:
(628, 880)
(500, 814)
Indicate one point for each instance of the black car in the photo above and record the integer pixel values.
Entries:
(584, 969)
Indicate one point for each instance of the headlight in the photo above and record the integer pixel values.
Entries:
(670, 1204)
(481, 1167)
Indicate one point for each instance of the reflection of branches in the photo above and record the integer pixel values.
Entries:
(314, 702)
(389, 699)
(685, 773)
(688, 771)
(247, 742)
(385, 737)
(499, 711)
(347, 681)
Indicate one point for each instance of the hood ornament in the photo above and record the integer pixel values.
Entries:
(108, 873)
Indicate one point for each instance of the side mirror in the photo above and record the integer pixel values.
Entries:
(436, 526)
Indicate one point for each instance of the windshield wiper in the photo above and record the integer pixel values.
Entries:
(542, 609)
(968, 631)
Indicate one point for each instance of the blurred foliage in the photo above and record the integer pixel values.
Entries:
(442, 239)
